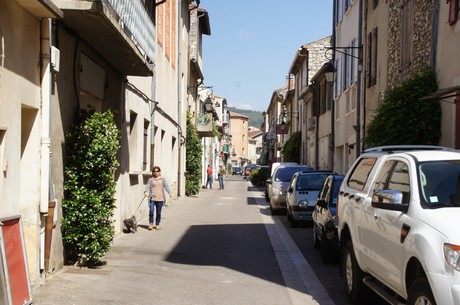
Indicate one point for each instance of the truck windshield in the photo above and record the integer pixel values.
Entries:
(440, 183)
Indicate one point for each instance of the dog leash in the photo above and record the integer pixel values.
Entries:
(139, 205)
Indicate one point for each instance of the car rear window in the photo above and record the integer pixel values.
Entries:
(285, 174)
(311, 182)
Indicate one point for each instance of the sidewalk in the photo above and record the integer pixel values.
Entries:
(221, 247)
(137, 266)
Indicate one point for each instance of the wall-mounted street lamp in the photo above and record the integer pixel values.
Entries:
(208, 105)
(330, 72)
(284, 114)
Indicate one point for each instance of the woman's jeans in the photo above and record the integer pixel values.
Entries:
(209, 181)
(221, 182)
(158, 205)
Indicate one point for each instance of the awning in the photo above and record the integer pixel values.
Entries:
(442, 93)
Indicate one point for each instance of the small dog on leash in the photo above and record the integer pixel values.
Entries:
(131, 224)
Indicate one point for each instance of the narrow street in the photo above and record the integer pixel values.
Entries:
(220, 247)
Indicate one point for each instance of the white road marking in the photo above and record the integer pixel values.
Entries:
(302, 283)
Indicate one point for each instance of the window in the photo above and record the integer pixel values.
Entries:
(146, 145)
(372, 48)
(394, 176)
(453, 11)
(400, 181)
(323, 97)
(345, 70)
(407, 25)
(360, 173)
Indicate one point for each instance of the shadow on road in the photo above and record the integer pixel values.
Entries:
(236, 247)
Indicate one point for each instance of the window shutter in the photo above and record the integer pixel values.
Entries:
(453, 11)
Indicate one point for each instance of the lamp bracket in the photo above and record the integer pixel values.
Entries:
(339, 50)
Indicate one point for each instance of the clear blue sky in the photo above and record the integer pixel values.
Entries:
(253, 43)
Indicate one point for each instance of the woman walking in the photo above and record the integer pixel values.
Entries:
(155, 190)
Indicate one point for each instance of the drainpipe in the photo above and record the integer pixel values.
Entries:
(359, 89)
(434, 35)
(364, 79)
(332, 145)
(46, 208)
(179, 99)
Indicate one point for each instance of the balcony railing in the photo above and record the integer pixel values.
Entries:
(122, 31)
(137, 23)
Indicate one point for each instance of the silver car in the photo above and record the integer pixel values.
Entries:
(278, 184)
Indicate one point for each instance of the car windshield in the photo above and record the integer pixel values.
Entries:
(285, 174)
(311, 182)
(440, 183)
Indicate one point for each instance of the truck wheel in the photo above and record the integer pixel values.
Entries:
(420, 293)
(356, 291)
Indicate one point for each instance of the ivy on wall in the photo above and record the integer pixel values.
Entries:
(403, 118)
(291, 149)
(193, 159)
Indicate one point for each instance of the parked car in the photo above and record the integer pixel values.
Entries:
(398, 211)
(279, 183)
(276, 164)
(236, 170)
(302, 193)
(273, 166)
(325, 221)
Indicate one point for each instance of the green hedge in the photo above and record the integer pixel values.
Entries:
(193, 159)
(402, 118)
(89, 202)
(259, 175)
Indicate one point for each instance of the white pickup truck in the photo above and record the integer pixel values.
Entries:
(398, 217)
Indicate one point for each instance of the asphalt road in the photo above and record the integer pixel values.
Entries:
(220, 247)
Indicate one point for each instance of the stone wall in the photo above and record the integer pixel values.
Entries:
(421, 44)
(317, 55)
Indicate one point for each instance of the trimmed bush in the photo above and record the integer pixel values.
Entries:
(291, 149)
(192, 159)
(259, 175)
(89, 186)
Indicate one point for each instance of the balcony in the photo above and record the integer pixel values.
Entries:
(204, 125)
(122, 31)
(42, 8)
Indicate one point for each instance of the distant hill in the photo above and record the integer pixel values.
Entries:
(255, 117)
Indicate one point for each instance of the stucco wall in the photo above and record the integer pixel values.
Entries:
(20, 123)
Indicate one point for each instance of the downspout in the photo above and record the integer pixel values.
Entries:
(46, 208)
(316, 97)
(179, 97)
(364, 79)
(360, 68)
(434, 35)
(332, 144)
